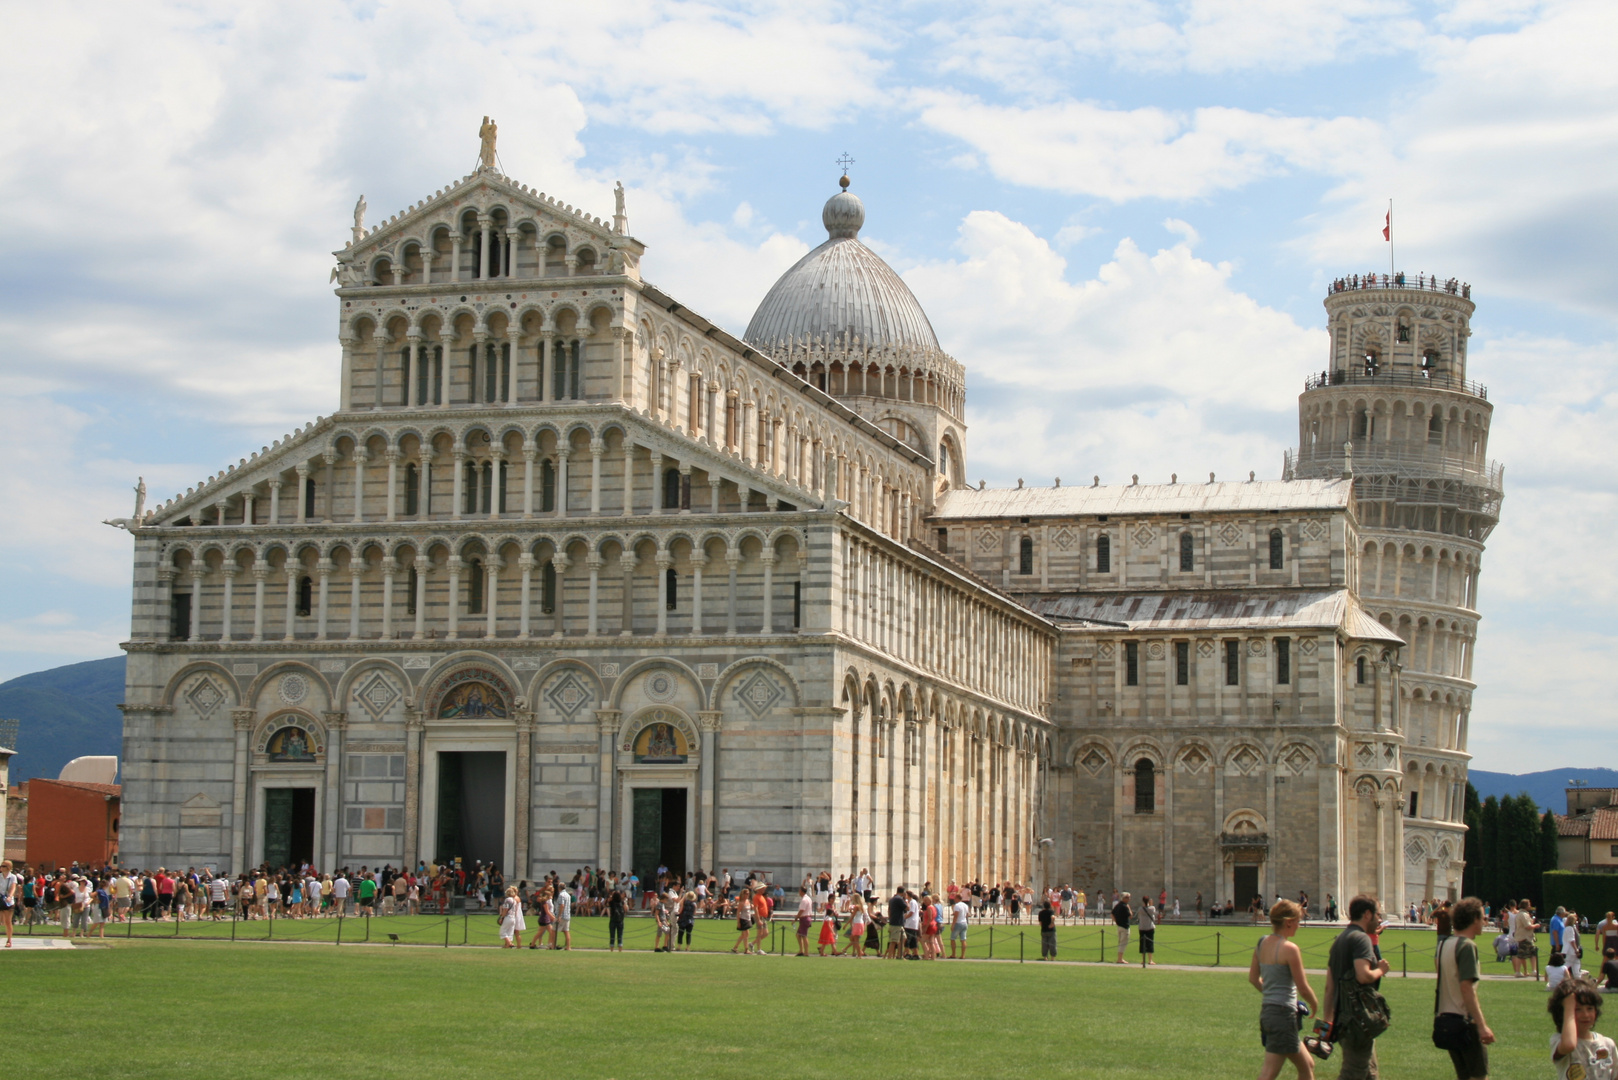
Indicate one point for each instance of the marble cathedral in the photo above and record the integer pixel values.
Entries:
(574, 576)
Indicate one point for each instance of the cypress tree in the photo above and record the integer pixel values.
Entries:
(1473, 816)
(1549, 847)
(1519, 847)
(1490, 887)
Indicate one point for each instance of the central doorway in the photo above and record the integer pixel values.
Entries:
(1246, 885)
(289, 826)
(658, 828)
(471, 822)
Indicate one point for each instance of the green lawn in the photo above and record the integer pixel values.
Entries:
(154, 1008)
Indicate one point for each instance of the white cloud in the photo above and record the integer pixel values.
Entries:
(1153, 366)
(1083, 148)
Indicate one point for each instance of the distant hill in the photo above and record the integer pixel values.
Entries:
(1548, 788)
(64, 713)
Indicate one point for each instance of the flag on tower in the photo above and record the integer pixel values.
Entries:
(1387, 226)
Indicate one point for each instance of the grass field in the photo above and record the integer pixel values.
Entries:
(144, 1007)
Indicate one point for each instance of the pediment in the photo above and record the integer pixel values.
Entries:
(487, 190)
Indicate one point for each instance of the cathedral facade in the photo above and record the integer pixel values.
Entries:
(573, 576)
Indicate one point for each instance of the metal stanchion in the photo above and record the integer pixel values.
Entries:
(1218, 941)
(1020, 947)
(446, 931)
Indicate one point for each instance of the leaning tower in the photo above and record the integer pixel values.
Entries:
(1395, 410)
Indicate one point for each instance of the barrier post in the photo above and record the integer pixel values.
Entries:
(446, 931)
(991, 941)
(1020, 958)
(1404, 962)
(271, 935)
(233, 926)
(1218, 940)
(1101, 945)
(367, 927)
(466, 928)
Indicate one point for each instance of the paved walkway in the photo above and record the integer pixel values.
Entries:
(24, 942)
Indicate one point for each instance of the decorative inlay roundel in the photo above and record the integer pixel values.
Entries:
(1063, 538)
(1230, 535)
(1105, 650)
(1205, 649)
(205, 696)
(568, 693)
(759, 693)
(1307, 646)
(1244, 760)
(377, 695)
(661, 686)
(1144, 535)
(1094, 762)
(293, 688)
(1155, 650)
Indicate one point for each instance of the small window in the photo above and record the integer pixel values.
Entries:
(671, 585)
(1188, 553)
(547, 588)
(412, 500)
(1359, 670)
(1025, 556)
(1132, 663)
(797, 604)
(547, 487)
(1103, 555)
(1413, 804)
(1182, 663)
(410, 597)
(1614, 851)
(486, 492)
(1145, 787)
(1277, 550)
(1283, 660)
(309, 498)
(1233, 662)
(671, 489)
(1435, 428)
(474, 589)
(943, 541)
(306, 595)
(180, 616)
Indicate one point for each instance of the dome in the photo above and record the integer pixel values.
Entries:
(842, 289)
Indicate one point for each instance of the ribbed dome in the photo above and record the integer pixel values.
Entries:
(842, 289)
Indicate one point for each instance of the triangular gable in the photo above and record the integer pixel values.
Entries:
(483, 189)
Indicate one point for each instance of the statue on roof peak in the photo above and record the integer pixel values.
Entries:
(486, 136)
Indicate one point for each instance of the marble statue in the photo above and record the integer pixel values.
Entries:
(132, 522)
(487, 134)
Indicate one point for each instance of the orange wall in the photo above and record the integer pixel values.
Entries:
(67, 823)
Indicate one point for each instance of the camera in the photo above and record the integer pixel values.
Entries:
(1319, 1044)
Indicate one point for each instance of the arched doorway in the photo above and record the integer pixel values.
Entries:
(657, 769)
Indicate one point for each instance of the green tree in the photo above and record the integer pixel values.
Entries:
(1549, 847)
(1490, 887)
(1518, 854)
(1473, 816)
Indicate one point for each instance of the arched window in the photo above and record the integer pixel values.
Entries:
(412, 494)
(1283, 660)
(1145, 787)
(404, 375)
(547, 588)
(306, 594)
(1429, 360)
(943, 458)
(547, 487)
(1025, 556)
(573, 383)
(1435, 428)
(1359, 670)
(671, 582)
(474, 588)
(309, 498)
(485, 496)
(1277, 550)
(410, 596)
(1131, 663)
(1188, 555)
(469, 498)
(500, 488)
(1103, 554)
(1402, 335)
(671, 489)
(180, 616)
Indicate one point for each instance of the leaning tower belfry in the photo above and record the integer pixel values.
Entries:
(1395, 411)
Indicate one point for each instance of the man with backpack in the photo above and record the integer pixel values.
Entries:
(1353, 1007)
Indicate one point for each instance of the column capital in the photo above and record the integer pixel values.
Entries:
(530, 453)
(242, 719)
(711, 721)
(230, 569)
(664, 560)
(260, 569)
(461, 454)
(390, 566)
(335, 721)
(628, 560)
(497, 453)
(324, 567)
(167, 574)
(607, 720)
(560, 561)
(303, 469)
(594, 560)
(598, 447)
(275, 482)
(392, 454)
(414, 721)
(526, 561)
(361, 454)
(356, 568)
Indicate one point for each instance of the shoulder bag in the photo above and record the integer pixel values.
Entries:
(1364, 1010)
(1450, 1030)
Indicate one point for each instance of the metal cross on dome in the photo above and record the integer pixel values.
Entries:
(845, 161)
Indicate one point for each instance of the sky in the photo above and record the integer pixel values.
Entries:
(1120, 216)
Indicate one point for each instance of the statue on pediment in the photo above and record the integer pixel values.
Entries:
(486, 136)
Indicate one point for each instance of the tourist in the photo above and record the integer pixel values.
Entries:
(542, 915)
(828, 928)
(339, 895)
(931, 949)
(617, 904)
(564, 921)
(745, 913)
(1458, 1025)
(959, 912)
(1578, 1052)
(1607, 933)
(1047, 932)
(763, 911)
(1555, 969)
(1572, 947)
(896, 925)
(148, 897)
(1148, 933)
(100, 907)
(1353, 964)
(687, 920)
(1522, 929)
(1120, 919)
(856, 924)
(10, 892)
(805, 916)
(1277, 972)
(511, 920)
(1078, 907)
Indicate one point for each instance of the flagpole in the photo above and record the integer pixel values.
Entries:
(1390, 242)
